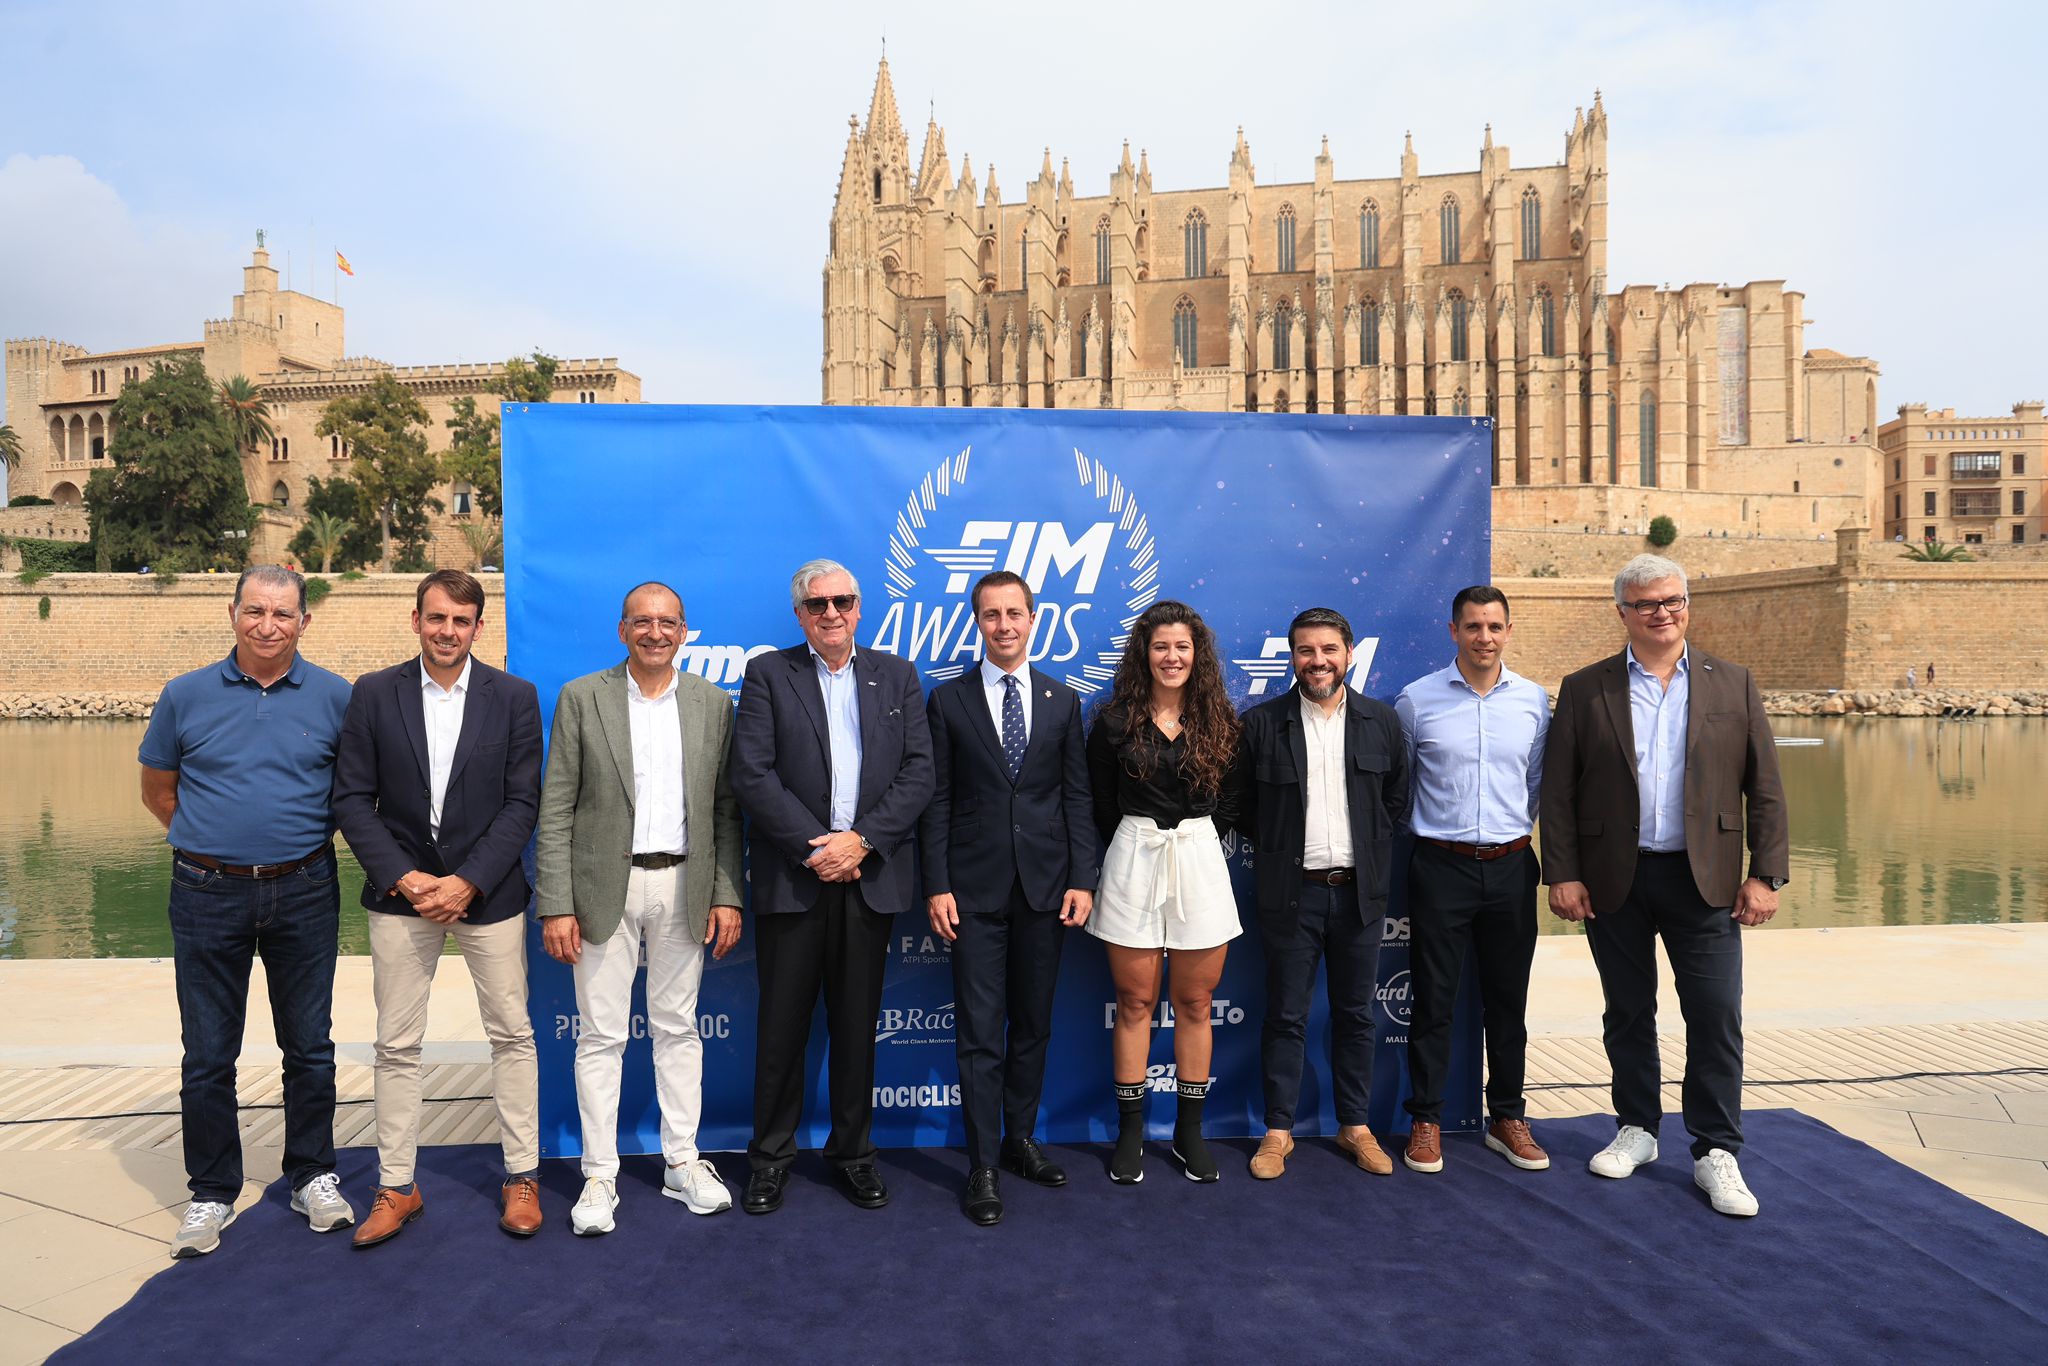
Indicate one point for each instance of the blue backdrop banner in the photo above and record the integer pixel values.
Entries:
(1247, 518)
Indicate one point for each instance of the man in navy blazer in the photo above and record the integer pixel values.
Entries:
(436, 789)
(832, 762)
(1010, 860)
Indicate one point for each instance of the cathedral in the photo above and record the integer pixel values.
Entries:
(1474, 292)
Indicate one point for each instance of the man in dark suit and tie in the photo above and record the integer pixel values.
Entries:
(436, 789)
(1659, 759)
(832, 761)
(1009, 861)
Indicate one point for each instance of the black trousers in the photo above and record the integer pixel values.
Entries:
(1455, 906)
(1326, 924)
(1005, 968)
(841, 946)
(1704, 945)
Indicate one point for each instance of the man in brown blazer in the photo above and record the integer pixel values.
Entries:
(1659, 760)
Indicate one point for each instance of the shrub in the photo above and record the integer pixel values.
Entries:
(30, 500)
(31, 577)
(55, 557)
(317, 590)
(43, 608)
(1663, 531)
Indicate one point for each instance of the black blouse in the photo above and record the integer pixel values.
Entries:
(1113, 760)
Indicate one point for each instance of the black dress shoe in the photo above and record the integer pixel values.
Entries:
(863, 1185)
(764, 1190)
(1024, 1157)
(984, 1199)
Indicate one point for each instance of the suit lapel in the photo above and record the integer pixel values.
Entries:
(413, 712)
(474, 720)
(617, 726)
(804, 671)
(1614, 691)
(694, 723)
(975, 700)
(1699, 676)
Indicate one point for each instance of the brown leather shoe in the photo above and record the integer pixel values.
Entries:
(1510, 1138)
(1271, 1158)
(1425, 1151)
(389, 1213)
(519, 1206)
(1357, 1140)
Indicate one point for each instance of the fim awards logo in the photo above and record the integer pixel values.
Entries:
(1088, 554)
(1275, 665)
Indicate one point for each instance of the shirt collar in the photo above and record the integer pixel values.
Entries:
(992, 677)
(1454, 677)
(461, 682)
(633, 685)
(1684, 659)
(1312, 710)
(819, 659)
(295, 675)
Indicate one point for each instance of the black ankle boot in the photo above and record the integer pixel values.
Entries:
(1127, 1164)
(1189, 1149)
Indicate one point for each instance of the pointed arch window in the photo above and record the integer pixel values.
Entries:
(1546, 319)
(1102, 250)
(1447, 229)
(1184, 339)
(1461, 406)
(1532, 224)
(1369, 236)
(1646, 440)
(280, 495)
(1194, 246)
(1283, 240)
(1283, 340)
(1369, 324)
(1461, 316)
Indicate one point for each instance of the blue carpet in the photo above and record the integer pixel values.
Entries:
(1855, 1258)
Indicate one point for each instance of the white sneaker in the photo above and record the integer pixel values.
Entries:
(320, 1201)
(1631, 1148)
(697, 1185)
(592, 1212)
(1721, 1179)
(200, 1233)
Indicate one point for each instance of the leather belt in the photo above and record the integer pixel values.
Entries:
(658, 860)
(1329, 877)
(261, 872)
(1484, 853)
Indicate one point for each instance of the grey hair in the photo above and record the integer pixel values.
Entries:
(1646, 569)
(271, 576)
(813, 570)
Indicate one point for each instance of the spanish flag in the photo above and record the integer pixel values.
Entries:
(341, 263)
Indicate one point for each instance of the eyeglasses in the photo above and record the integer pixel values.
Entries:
(669, 624)
(838, 602)
(1650, 607)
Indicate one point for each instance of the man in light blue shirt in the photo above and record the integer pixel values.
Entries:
(1475, 733)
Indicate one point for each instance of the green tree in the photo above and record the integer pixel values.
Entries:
(475, 454)
(248, 413)
(328, 532)
(485, 541)
(528, 381)
(10, 449)
(1663, 531)
(384, 433)
(341, 503)
(173, 494)
(1934, 552)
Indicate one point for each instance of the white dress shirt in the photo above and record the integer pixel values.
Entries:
(660, 822)
(1326, 813)
(841, 691)
(992, 688)
(443, 708)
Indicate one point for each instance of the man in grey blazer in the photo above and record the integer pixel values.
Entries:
(639, 843)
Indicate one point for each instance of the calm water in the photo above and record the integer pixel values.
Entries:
(1894, 822)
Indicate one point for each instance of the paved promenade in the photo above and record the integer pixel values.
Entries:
(1930, 1043)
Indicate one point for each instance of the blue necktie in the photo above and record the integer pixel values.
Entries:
(1013, 725)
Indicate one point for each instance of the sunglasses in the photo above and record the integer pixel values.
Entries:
(838, 602)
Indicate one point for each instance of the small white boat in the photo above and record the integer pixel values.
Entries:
(1800, 741)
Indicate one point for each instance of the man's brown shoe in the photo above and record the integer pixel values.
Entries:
(1357, 1140)
(390, 1212)
(1425, 1151)
(519, 1206)
(1510, 1138)
(1271, 1158)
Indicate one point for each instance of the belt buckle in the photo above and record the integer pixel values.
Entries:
(259, 871)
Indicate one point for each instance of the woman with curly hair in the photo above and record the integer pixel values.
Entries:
(1163, 759)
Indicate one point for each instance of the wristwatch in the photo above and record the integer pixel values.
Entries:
(864, 841)
(1774, 883)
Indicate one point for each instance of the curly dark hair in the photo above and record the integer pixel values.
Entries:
(1208, 720)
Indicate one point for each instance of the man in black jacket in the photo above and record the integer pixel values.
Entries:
(1329, 786)
(1009, 862)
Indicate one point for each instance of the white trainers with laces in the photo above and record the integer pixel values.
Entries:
(320, 1201)
(696, 1183)
(592, 1212)
(200, 1233)
(1631, 1148)
(1721, 1179)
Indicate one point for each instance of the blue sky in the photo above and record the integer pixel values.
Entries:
(654, 181)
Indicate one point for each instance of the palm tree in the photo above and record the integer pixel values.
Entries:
(1934, 552)
(328, 533)
(248, 412)
(486, 541)
(10, 449)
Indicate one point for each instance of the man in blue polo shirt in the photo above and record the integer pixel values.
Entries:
(237, 763)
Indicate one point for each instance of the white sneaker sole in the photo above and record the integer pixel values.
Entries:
(682, 1198)
(1522, 1162)
(1626, 1172)
(1426, 1168)
(584, 1227)
(334, 1222)
(1747, 1211)
(180, 1253)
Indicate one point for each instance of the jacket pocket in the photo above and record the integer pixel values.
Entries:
(1730, 821)
(1372, 761)
(964, 834)
(1278, 774)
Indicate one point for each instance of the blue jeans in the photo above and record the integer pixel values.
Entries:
(218, 926)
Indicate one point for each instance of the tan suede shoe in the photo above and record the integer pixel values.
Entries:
(390, 1212)
(520, 1210)
(1357, 1140)
(1271, 1158)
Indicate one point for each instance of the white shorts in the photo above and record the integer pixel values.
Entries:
(1165, 888)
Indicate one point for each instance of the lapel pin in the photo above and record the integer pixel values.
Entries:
(1048, 692)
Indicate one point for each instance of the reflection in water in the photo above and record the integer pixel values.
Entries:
(1894, 822)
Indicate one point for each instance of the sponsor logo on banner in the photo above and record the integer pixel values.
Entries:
(1160, 1076)
(915, 1024)
(725, 665)
(923, 948)
(1077, 536)
(1394, 929)
(708, 1026)
(1221, 1012)
(927, 1097)
(1272, 672)
(1395, 998)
